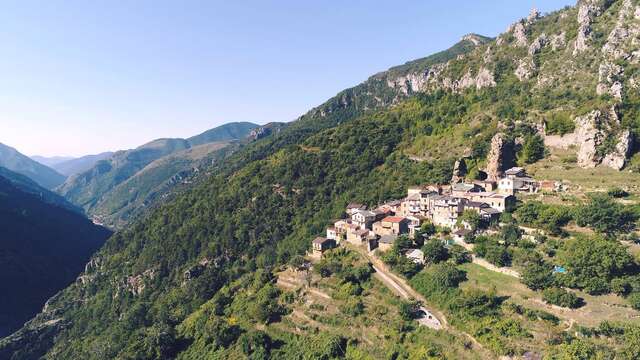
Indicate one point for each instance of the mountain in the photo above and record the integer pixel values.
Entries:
(29, 186)
(226, 132)
(44, 245)
(74, 166)
(107, 192)
(11, 159)
(51, 160)
(195, 277)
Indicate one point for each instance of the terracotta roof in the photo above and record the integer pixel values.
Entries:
(393, 219)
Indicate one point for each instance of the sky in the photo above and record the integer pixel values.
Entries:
(82, 77)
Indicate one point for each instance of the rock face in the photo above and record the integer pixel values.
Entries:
(609, 80)
(558, 41)
(537, 44)
(459, 171)
(526, 69)
(520, 34)
(500, 158)
(592, 131)
(587, 10)
(618, 157)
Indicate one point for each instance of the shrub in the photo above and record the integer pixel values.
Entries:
(561, 297)
(617, 192)
(353, 307)
(634, 300)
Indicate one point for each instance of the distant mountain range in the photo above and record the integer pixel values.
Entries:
(51, 161)
(118, 187)
(77, 165)
(13, 160)
(44, 245)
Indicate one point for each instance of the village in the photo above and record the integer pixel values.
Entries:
(443, 206)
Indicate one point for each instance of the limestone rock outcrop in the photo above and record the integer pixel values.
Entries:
(558, 41)
(526, 69)
(459, 171)
(592, 131)
(537, 44)
(618, 157)
(501, 157)
(587, 10)
(610, 80)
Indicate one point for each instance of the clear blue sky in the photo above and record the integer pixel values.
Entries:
(79, 77)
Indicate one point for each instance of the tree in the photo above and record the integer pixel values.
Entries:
(472, 218)
(537, 276)
(408, 309)
(435, 251)
(605, 215)
(592, 262)
(438, 278)
(532, 149)
(561, 297)
(255, 344)
(459, 255)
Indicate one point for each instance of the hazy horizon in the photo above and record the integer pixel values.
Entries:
(85, 78)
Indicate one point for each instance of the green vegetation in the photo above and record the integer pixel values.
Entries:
(16, 162)
(181, 282)
(44, 246)
(561, 297)
(118, 189)
(560, 123)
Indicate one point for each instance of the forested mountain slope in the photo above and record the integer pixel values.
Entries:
(193, 279)
(13, 160)
(44, 245)
(105, 190)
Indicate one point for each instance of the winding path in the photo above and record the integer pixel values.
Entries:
(400, 287)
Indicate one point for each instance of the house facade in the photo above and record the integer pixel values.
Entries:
(391, 225)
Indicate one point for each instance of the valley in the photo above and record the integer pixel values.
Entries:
(482, 202)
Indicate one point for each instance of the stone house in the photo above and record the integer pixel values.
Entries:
(411, 205)
(487, 185)
(517, 180)
(359, 236)
(385, 243)
(333, 234)
(353, 207)
(321, 244)
(459, 235)
(392, 207)
(391, 225)
(445, 210)
(497, 201)
(363, 218)
(461, 189)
